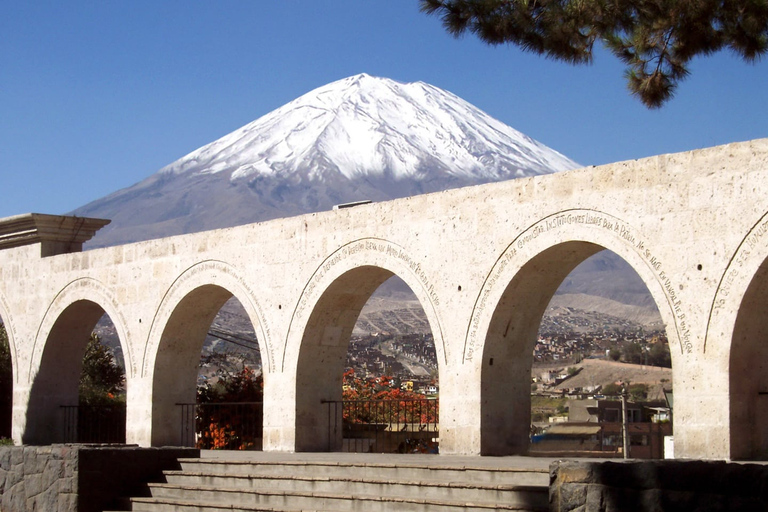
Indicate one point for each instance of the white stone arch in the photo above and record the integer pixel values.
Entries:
(325, 315)
(511, 302)
(736, 342)
(10, 329)
(176, 335)
(57, 354)
(366, 252)
(89, 290)
(210, 273)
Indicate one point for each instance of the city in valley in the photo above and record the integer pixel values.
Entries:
(578, 353)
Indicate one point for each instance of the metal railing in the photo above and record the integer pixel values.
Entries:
(94, 423)
(222, 425)
(383, 426)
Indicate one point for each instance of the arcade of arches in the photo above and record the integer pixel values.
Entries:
(483, 261)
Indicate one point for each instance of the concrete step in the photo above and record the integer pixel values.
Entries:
(392, 471)
(326, 483)
(454, 491)
(184, 499)
(160, 505)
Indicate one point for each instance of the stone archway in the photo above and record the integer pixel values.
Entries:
(10, 329)
(8, 369)
(176, 340)
(57, 356)
(749, 372)
(323, 323)
(511, 305)
(737, 338)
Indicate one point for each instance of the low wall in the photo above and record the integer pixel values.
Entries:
(662, 485)
(79, 478)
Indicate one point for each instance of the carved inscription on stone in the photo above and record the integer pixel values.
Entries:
(739, 269)
(563, 221)
(94, 291)
(755, 240)
(213, 267)
(367, 245)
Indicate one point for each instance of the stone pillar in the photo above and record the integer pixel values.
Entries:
(279, 413)
(701, 411)
(138, 414)
(20, 403)
(459, 410)
(506, 405)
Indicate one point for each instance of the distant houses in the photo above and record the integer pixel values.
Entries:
(594, 428)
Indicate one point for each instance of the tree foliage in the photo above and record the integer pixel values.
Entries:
(634, 353)
(375, 388)
(638, 392)
(658, 355)
(612, 389)
(6, 384)
(229, 412)
(656, 39)
(243, 386)
(6, 372)
(102, 380)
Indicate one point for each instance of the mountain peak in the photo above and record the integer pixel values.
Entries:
(361, 137)
(364, 125)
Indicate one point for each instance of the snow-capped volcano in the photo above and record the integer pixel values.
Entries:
(363, 126)
(358, 138)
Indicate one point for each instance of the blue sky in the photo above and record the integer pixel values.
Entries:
(96, 96)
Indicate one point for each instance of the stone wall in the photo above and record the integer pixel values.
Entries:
(79, 478)
(669, 485)
(483, 262)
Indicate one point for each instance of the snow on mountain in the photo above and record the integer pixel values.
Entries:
(358, 138)
(364, 125)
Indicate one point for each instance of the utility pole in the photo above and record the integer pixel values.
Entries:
(624, 420)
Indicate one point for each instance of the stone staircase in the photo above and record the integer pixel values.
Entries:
(219, 484)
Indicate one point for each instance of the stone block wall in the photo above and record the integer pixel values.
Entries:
(79, 478)
(658, 486)
(38, 478)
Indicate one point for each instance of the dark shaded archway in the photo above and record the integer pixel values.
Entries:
(58, 377)
(6, 384)
(748, 372)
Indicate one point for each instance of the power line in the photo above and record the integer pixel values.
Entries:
(235, 339)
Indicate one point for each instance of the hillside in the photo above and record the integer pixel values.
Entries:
(596, 372)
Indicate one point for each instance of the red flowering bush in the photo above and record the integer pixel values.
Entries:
(229, 413)
(375, 400)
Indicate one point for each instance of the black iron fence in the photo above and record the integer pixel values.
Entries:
(383, 426)
(94, 423)
(222, 425)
